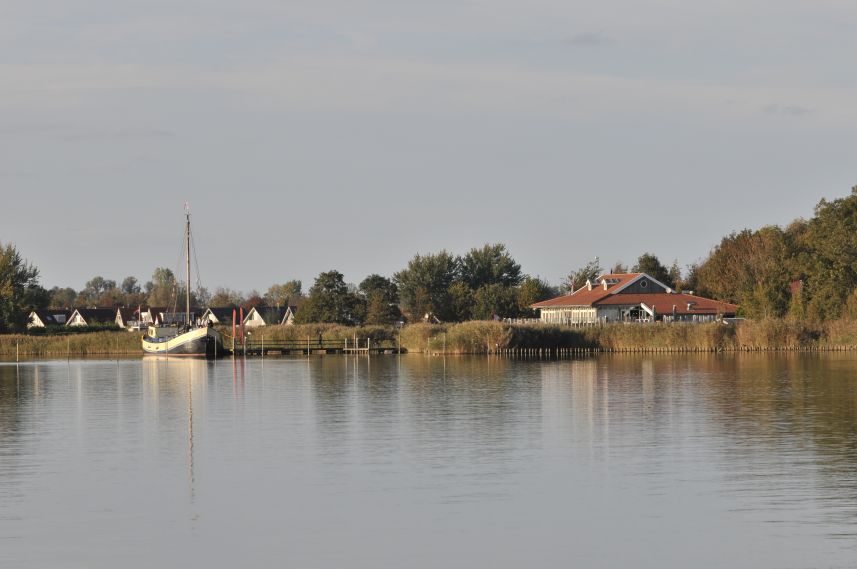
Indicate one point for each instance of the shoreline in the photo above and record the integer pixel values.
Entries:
(498, 338)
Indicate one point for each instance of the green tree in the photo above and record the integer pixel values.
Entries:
(424, 285)
(490, 264)
(130, 285)
(831, 266)
(329, 300)
(380, 297)
(225, 297)
(494, 300)
(750, 268)
(652, 266)
(531, 291)
(95, 289)
(460, 301)
(690, 281)
(288, 293)
(165, 290)
(589, 272)
(62, 297)
(674, 275)
(797, 304)
(20, 292)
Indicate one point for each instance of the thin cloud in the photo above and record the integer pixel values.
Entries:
(786, 110)
(588, 39)
(74, 132)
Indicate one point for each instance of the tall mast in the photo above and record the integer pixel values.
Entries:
(187, 258)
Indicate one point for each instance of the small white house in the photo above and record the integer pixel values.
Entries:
(92, 317)
(42, 318)
(128, 318)
(266, 315)
(221, 316)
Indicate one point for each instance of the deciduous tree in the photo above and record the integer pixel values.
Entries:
(380, 297)
(590, 271)
(652, 266)
(424, 285)
(20, 292)
(490, 264)
(329, 300)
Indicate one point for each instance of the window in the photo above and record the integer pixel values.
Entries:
(644, 284)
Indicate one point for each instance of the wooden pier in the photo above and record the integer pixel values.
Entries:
(259, 346)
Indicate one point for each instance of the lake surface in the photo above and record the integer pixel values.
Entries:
(412, 461)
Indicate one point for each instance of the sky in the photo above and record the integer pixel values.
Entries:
(352, 135)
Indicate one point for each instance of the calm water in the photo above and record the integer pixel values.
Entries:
(699, 461)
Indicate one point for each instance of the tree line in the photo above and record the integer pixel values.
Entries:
(806, 270)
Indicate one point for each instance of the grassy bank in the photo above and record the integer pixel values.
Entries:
(497, 337)
(94, 344)
(385, 336)
(482, 337)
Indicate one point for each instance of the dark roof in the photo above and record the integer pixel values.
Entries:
(97, 315)
(49, 316)
(663, 303)
(154, 309)
(224, 313)
(271, 314)
(127, 314)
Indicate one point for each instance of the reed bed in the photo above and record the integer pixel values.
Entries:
(487, 337)
(497, 337)
(94, 344)
(386, 336)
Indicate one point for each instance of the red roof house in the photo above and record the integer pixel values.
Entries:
(630, 297)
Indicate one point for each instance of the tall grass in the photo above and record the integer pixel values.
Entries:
(489, 337)
(96, 343)
(481, 337)
(381, 335)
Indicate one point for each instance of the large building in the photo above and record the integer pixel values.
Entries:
(630, 297)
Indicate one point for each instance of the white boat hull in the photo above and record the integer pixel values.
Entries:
(204, 342)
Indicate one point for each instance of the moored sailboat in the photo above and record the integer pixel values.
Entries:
(185, 338)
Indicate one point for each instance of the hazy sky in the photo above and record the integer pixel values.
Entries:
(353, 134)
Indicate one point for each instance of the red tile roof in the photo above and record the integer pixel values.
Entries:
(663, 302)
(584, 297)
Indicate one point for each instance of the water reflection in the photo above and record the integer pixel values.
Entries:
(239, 462)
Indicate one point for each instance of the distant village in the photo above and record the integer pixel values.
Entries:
(803, 272)
(627, 297)
(133, 319)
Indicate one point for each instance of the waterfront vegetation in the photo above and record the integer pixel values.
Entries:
(487, 337)
(796, 285)
(94, 344)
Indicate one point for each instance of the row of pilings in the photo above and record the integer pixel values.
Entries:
(571, 352)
